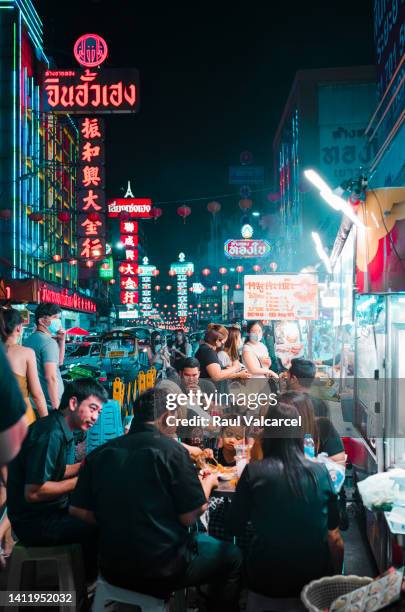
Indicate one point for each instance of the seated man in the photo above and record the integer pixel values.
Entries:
(39, 479)
(144, 492)
(300, 377)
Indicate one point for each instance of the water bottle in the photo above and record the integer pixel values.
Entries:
(309, 446)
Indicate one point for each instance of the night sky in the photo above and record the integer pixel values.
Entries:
(214, 80)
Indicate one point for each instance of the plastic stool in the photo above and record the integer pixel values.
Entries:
(69, 566)
(108, 592)
(262, 603)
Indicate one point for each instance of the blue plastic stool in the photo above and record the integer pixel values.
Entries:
(108, 426)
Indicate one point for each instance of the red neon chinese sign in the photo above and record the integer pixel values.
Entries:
(129, 268)
(72, 301)
(91, 198)
(90, 50)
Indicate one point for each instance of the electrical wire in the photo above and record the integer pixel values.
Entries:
(214, 197)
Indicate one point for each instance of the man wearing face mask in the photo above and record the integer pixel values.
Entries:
(48, 343)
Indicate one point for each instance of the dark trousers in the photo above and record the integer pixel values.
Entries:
(60, 528)
(214, 563)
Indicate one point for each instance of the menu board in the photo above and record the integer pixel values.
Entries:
(285, 297)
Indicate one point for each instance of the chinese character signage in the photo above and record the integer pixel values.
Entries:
(241, 249)
(287, 297)
(91, 196)
(91, 91)
(183, 270)
(129, 269)
(136, 208)
(145, 274)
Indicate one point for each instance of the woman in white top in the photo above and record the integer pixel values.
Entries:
(255, 355)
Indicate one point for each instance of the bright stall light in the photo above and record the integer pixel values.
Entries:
(314, 178)
(321, 251)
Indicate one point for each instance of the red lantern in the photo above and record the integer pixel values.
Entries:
(5, 214)
(206, 271)
(172, 272)
(56, 258)
(256, 268)
(184, 211)
(226, 287)
(156, 272)
(64, 216)
(105, 266)
(239, 268)
(89, 263)
(222, 270)
(273, 266)
(174, 305)
(155, 212)
(157, 288)
(189, 273)
(112, 281)
(73, 262)
(36, 216)
(274, 196)
(93, 217)
(168, 287)
(245, 204)
(214, 207)
(237, 286)
(214, 287)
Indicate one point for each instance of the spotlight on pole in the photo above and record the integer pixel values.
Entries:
(321, 251)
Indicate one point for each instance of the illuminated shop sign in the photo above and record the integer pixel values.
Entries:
(91, 197)
(71, 301)
(90, 50)
(108, 90)
(246, 248)
(137, 208)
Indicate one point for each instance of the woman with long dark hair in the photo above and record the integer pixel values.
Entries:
(158, 354)
(22, 361)
(181, 349)
(294, 512)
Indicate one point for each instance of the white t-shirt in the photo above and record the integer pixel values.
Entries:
(259, 350)
(224, 359)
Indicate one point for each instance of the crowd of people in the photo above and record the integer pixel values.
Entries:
(136, 503)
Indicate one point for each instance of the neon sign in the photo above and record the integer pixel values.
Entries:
(72, 301)
(90, 50)
(136, 208)
(91, 199)
(92, 91)
(246, 248)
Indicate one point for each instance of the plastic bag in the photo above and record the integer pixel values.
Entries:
(336, 471)
(378, 492)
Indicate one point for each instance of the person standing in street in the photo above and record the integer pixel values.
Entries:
(48, 343)
(22, 361)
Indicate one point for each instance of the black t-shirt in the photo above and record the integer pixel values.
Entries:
(329, 440)
(137, 486)
(206, 355)
(43, 457)
(290, 546)
(12, 403)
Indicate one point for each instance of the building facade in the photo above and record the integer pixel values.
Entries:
(322, 127)
(38, 156)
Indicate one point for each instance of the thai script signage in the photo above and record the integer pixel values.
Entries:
(287, 297)
(242, 248)
(246, 175)
(108, 90)
(65, 299)
(136, 208)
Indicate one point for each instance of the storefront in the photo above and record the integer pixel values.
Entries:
(77, 309)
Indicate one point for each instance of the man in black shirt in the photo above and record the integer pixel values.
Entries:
(39, 479)
(143, 492)
(300, 377)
